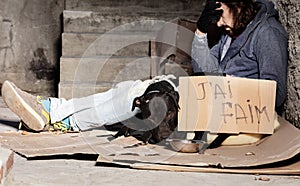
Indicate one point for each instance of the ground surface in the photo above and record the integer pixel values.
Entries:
(76, 172)
(68, 171)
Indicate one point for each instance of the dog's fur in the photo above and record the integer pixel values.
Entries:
(158, 114)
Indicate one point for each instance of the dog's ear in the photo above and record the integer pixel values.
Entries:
(175, 98)
(136, 103)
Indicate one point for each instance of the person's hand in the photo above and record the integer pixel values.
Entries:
(210, 14)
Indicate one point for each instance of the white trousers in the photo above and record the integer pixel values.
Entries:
(112, 106)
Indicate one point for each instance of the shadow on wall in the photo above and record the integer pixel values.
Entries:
(41, 67)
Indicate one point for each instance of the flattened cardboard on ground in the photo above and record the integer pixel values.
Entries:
(51, 144)
(226, 104)
(283, 145)
(47, 144)
(292, 169)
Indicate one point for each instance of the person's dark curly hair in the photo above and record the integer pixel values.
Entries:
(243, 13)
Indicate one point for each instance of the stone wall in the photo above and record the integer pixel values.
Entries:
(106, 42)
(290, 16)
(30, 33)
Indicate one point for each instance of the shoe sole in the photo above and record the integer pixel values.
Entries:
(18, 105)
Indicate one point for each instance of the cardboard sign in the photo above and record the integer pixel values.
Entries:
(226, 104)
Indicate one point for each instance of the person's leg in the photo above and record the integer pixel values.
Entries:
(91, 111)
(105, 108)
(108, 107)
(99, 109)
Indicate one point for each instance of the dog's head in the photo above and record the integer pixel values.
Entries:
(157, 102)
(158, 108)
(157, 97)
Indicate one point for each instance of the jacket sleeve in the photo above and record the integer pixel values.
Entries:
(272, 57)
(202, 60)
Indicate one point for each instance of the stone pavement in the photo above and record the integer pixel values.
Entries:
(68, 171)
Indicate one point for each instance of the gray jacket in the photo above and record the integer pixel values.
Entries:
(260, 52)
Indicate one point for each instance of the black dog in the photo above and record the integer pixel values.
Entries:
(158, 114)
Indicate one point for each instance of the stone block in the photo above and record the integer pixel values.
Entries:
(99, 22)
(85, 76)
(179, 6)
(92, 45)
(102, 69)
(69, 90)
